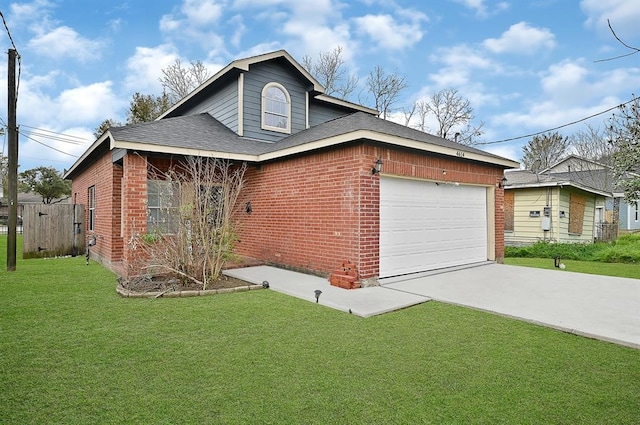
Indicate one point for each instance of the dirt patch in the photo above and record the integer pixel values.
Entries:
(165, 284)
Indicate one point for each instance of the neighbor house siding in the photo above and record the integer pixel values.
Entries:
(586, 234)
(527, 229)
(106, 177)
(222, 105)
(630, 221)
(254, 81)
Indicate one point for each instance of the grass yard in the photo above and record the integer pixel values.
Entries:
(590, 267)
(620, 258)
(72, 351)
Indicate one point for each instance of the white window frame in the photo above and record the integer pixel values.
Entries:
(163, 217)
(264, 110)
(92, 208)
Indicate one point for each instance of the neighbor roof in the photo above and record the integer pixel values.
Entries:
(521, 179)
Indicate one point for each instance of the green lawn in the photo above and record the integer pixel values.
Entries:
(590, 267)
(72, 351)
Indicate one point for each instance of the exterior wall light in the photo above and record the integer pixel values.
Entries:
(502, 183)
(377, 167)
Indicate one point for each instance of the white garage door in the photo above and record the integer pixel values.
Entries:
(427, 226)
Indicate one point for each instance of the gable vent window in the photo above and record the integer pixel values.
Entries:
(276, 108)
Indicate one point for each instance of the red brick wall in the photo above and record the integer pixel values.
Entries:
(309, 212)
(316, 211)
(305, 210)
(134, 207)
(105, 176)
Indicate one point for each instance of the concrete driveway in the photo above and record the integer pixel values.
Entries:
(601, 307)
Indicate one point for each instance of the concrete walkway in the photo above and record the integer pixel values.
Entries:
(362, 302)
(601, 307)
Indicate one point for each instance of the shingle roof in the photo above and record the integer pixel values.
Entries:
(592, 181)
(362, 121)
(200, 131)
(203, 132)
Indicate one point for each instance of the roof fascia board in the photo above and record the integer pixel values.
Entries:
(389, 139)
(106, 135)
(135, 146)
(346, 104)
(557, 184)
(328, 142)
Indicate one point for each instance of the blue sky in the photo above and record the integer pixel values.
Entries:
(526, 66)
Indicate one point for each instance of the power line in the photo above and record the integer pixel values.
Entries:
(13, 44)
(53, 135)
(510, 139)
(71, 136)
(50, 147)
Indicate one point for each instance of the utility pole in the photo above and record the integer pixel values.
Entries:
(12, 168)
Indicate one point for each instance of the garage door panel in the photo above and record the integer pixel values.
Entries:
(424, 226)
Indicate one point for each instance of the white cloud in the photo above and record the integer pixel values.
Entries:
(145, 68)
(92, 103)
(64, 42)
(571, 92)
(197, 21)
(481, 9)
(460, 63)
(521, 38)
(389, 33)
(76, 111)
(623, 14)
(34, 11)
(202, 12)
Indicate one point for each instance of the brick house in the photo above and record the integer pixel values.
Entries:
(315, 199)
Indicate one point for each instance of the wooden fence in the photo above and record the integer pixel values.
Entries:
(53, 230)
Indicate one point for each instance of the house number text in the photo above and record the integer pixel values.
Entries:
(460, 154)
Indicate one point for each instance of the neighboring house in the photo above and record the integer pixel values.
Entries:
(553, 207)
(600, 176)
(315, 200)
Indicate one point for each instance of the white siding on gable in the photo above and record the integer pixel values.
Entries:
(258, 76)
(223, 106)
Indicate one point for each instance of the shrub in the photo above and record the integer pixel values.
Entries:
(625, 250)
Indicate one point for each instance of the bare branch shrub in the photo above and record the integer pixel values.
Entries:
(192, 234)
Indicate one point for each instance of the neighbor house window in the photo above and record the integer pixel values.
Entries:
(508, 211)
(576, 213)
(92, 208)
(163, 201)
(276, 108)
(635, 212)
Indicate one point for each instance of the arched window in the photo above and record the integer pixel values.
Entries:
(276, 108)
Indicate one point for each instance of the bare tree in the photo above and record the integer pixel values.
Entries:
(593, 144)
(179, 81)
(451, 113)
(329, 70)
(544, 150)
(385, 89)
(195, 232)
